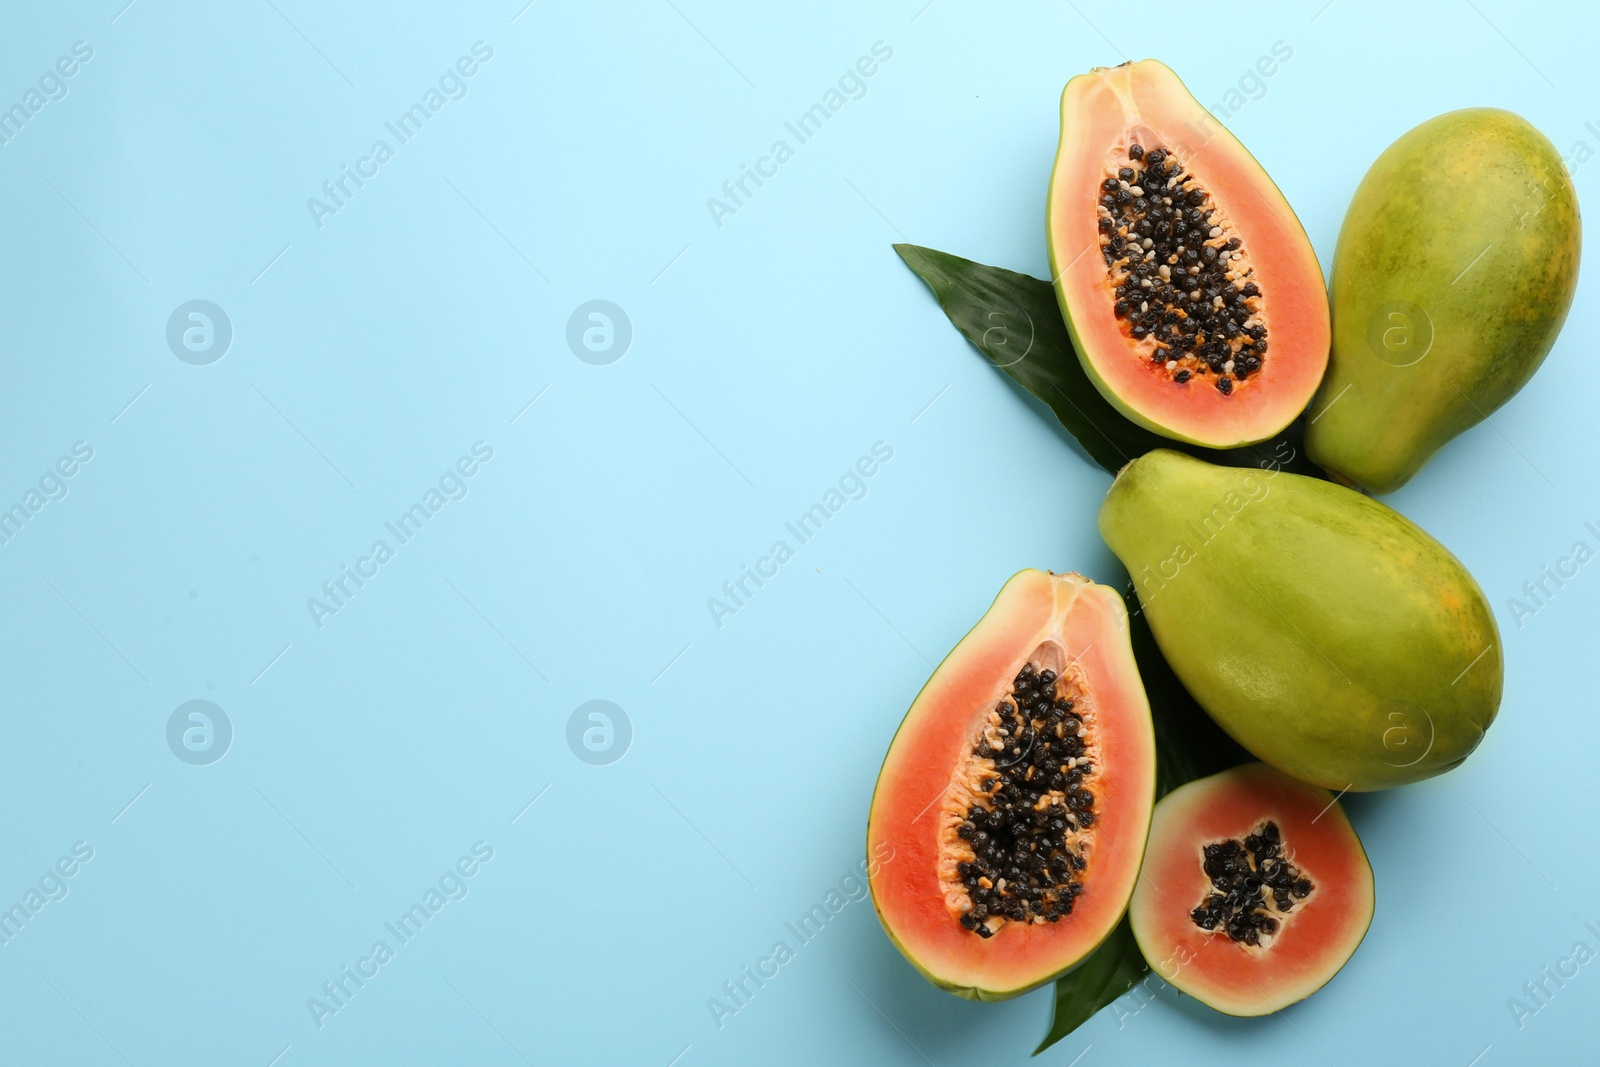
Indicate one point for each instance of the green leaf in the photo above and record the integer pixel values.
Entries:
(1014, 321)
(1108, 973)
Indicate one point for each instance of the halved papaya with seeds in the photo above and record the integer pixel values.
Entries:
(1190, 288)
(1255, 890)
(1016, 795)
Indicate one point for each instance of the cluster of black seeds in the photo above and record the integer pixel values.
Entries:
(1180, 281)
(1241, 875)
(1023, 867)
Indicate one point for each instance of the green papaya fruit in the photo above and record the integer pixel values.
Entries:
(1454, 271)
(1328, 634)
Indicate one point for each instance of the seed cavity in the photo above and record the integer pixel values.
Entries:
(1022, 826)
(1253, 886)
(1155, 222)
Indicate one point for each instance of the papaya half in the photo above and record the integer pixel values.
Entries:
(1325, 632)
(1193, 296)
(1015, 798)
(1255, 890)
(1455, 267)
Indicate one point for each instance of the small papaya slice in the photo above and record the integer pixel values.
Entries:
(1010, 815)
(1192, 293)
(1255, 890)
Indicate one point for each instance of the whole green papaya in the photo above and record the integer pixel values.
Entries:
(1454, 271)
(1328, 634)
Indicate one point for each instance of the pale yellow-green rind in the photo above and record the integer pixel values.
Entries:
(1454, 271)
(966, 992)
(1058, 266)
(1325, 632)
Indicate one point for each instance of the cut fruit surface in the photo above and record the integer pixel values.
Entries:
(1016, 795)
(1255, 890)
(1191, 291)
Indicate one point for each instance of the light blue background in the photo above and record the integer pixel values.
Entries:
(768, 354)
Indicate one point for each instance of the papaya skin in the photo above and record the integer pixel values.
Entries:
(1454, 271)
(1325, 632)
